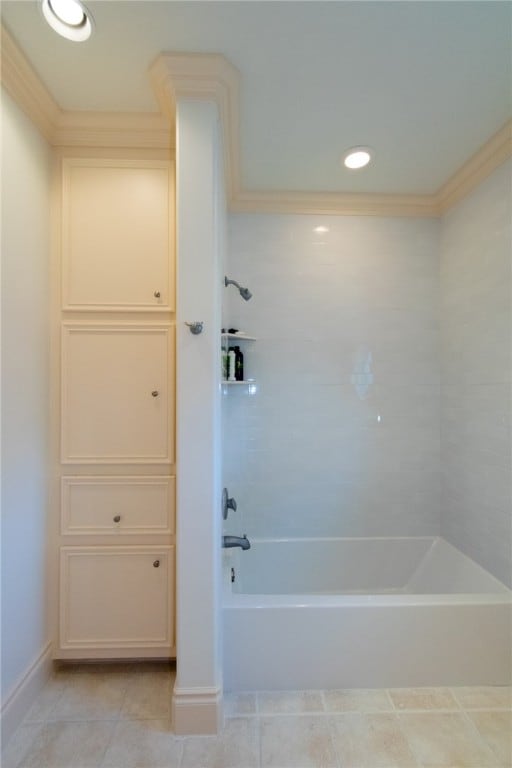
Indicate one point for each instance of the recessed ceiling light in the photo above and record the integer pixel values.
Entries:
(321, 230)
(357, 157)
(69, 18)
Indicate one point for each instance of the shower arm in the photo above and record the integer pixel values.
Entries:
(244, 292)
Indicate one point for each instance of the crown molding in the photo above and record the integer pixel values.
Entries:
(113, 129)
(480, 165)
(204, 76)
(211, 76)
(67, 128)
(332, 203)
(23, 84)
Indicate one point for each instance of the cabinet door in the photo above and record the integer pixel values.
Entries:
(117, 238)
(120, 505)
(117, 394)
(116, 597)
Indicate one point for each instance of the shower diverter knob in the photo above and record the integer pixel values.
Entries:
(227, 503)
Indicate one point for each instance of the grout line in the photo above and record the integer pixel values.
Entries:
(259, 744)
(479, 735)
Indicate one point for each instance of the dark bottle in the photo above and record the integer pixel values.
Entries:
(239, 364)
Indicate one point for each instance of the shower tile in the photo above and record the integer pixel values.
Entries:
(484, 697)
(422, 698)
(296, 742)
(236, 704)
(143, 744)
(496, 730)
(236, 746)
(357, 700)
(288, 702)
(372, 741)
(446, 740)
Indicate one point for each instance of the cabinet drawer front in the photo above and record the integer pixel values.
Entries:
(117, 505)
(117, 234)
(117, 394)
(116, 597)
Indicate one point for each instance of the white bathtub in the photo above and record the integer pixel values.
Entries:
(335, 613)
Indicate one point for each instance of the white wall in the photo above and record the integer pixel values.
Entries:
(476, 374)
(25, 376)
(341, 437)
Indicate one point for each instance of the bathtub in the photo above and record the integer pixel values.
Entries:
(362, 613)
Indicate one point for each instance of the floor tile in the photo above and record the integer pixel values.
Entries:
(496, 730)
(236, 704)
(446, 740)
(288, 702)
(92, 695)
(69, 745)
(422, 698)
(143, 744)
(20, 744)
(148, 695)
(47, 699)
(357, 700)
(236, 747)
(298, 741)
(484, 697)
(370, 741)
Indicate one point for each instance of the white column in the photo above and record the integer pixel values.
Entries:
(197, 700)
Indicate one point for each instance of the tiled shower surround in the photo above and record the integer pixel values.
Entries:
(476, 375)
(341, 433)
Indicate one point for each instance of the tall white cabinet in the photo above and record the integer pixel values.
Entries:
(116, 406)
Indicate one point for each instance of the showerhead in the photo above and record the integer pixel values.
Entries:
(244, 292)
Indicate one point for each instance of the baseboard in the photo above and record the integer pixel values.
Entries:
(197, 711)
(21, 698)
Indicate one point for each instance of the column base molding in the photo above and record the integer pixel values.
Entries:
(197, 711)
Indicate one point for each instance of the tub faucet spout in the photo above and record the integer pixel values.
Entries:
(236, 541)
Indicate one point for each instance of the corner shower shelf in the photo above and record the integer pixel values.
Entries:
(240, 336)
(245, 381)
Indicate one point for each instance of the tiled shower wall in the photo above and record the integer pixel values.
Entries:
(340, 434)
(476, 380)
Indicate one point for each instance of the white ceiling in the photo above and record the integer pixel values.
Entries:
(423, 83)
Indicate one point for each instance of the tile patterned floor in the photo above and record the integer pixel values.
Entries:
(118, 716)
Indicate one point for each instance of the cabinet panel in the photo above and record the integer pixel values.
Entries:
(116, 597)
(117, 394)
(117, 235)
(117, 505)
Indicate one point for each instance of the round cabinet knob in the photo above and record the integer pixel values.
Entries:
(156, 294)
(154, 393)
(117, 518)
(156, 564)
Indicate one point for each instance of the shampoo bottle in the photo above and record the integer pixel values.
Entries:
(231, 365)
(239, 364)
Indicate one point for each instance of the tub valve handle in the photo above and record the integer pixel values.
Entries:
(227, 504)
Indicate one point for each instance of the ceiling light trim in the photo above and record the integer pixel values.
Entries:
(77, 33)
(349, 156)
